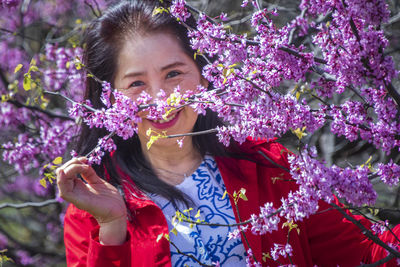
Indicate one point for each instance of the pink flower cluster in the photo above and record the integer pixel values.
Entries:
(318, 181)
(178, 10)
(65, 69)
(380, 227)
(389, 173)
(266, 222)
(280, 250)
(250, 262)
(49, 143)
(9, 3)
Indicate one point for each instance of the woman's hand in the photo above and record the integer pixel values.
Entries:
(96, 196)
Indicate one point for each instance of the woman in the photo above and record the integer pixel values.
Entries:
(139, 51)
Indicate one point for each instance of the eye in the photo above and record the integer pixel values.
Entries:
(136, 84)
(173, 74)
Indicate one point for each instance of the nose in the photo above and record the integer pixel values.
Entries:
(159, 89)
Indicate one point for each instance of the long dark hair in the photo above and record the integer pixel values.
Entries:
(103, 40)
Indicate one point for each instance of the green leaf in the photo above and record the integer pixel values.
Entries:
(151, 141)
(224, 195)
(266, 256)
(43, 182)
(33, 69)
(300, 133)
(27, 83)
(242, 194)
(18, 68)
(57, 160)
(166, 236)
(197, 214)
(188, 210)
(174, 231)
(298, 94)
(159, 10)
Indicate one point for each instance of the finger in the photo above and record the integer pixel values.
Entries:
(74, 160)
(65, 185)
(86, 171)
(91, 177)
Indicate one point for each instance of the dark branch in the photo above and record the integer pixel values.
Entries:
(393, 93)
(297, 54)
(380, 262)
(92, 9)
(188, 255)
(4, 78)
(367, 232)
(273, 162)
(48, 113)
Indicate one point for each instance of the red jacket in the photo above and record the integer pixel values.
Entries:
(325, 239)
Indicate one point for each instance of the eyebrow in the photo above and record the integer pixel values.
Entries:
(172, 65)
(169, 66)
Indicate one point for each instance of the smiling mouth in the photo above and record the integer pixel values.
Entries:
(170, 118)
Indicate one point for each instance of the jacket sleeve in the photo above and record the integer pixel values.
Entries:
(333, 238)
(82, 243)
(377, 252)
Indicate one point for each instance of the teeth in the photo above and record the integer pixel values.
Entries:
(167, 119)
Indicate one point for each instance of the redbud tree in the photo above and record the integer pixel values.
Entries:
(321, 76)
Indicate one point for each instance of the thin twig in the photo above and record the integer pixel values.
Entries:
(29, 204)
(3, 78)
(297, 54)
(389, 86)
(244, 235)
(366, 231)
(69, 99)
(92, 9)
(393, 93)
(379, 262)
(189, 255)
(98, 7)
(18, 34)
(108, 136)
(291, 34)
(376, 221)
(393, 19)
(193, 133)
(66, 36)
(253, 83)
(273, 162)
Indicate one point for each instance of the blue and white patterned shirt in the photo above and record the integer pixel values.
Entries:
(209, 244)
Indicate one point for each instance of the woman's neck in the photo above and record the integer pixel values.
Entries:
(172, 163)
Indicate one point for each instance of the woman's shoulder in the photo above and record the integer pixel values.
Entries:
(265, 151)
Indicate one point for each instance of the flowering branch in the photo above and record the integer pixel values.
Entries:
(367, 232)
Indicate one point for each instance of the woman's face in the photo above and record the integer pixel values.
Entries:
(153, 62)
